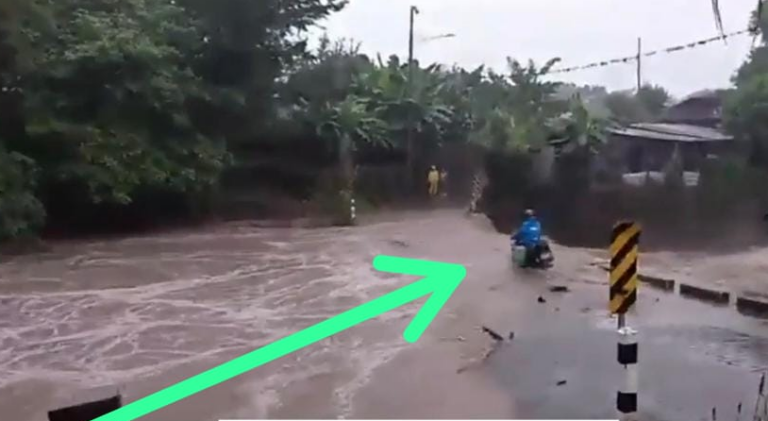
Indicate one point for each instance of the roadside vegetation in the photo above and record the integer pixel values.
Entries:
(117, 112)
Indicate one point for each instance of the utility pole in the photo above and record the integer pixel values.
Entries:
(410, 151)
(414, 12)
(639, 63)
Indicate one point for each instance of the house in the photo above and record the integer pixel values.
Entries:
(689, 131)
(702, 108)
(650, 146)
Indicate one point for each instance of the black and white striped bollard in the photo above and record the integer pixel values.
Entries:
(626, 399)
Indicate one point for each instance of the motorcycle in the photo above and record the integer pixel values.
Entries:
(544, 260)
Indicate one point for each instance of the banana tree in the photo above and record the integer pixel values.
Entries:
(345, 124)
(418, 107)
(577, 129)
(578, 138)
(512, 110)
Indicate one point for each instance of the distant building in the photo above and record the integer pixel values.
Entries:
(703, 108)
(650, 146)
(689, 131)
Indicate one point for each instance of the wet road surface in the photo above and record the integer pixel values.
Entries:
(143, 313)
(692, 357)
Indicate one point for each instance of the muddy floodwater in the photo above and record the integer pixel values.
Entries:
(140, 313)
(135, 315)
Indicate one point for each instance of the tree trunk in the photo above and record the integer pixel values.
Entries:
(346, 162)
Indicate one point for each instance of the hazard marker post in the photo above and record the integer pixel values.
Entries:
(622, 296)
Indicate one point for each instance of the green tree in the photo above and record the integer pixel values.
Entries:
(578, 128)
(745, 111)
(347, 124)
(653, 99)
(421, 108)
(746, 116)
(21, 213)
(250, 46)
(328, 75)
(512, 111)
(626, 109)
(106, 108)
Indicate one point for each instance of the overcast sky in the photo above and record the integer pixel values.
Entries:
(578, 31)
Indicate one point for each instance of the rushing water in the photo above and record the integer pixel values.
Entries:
(108, 313)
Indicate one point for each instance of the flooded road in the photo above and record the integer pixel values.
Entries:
(143, 313)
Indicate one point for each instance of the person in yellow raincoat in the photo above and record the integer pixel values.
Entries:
(433, 178)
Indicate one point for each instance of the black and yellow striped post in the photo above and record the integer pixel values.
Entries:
(622, 296)
(624, 251)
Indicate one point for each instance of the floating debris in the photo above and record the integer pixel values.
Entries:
(562, 382)
(495, 346)
(399, 243)
(542, 300)
(498, 341)
(559, 288)
(457, 339)
(492, 334)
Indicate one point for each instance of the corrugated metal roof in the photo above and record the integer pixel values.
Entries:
(672, 132)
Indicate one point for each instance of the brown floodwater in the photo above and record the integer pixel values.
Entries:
(141, 313)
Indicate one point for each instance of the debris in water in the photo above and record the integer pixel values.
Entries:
(480, 360)
(599, 262)
(399, 243)
(458, 339)
(586, 310)
(492, 334)
(562, 382)
(559, 288)
(498, 341)
(542, 300)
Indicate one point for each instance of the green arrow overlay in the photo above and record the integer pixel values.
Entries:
(439, 281)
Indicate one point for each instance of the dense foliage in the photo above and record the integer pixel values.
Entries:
(107, 101)
(138, 105)
(646, 104)
(746, 111)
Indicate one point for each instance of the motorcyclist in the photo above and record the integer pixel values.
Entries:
(529, 236)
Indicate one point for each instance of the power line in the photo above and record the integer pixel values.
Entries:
(629, 59)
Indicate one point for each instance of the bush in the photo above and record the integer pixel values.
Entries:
(21, 213)
(727, 184)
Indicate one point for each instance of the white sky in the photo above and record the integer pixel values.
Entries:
(578, 31)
